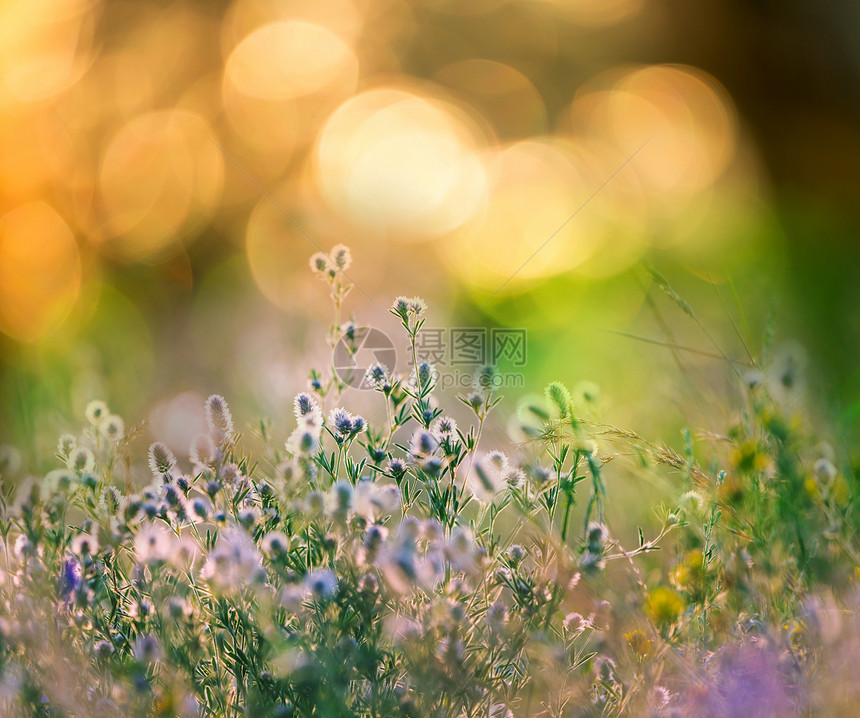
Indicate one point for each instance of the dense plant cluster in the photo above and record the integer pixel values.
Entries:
(399, 567)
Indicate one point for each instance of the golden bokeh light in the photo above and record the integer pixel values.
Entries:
(244, 17)
(40, 271)
(393, 162)
(160, 174)
(45, 46)
(535, 186)
(503, 94)
(682, 117)
(290, 59)
(590, 13)
(35, 150)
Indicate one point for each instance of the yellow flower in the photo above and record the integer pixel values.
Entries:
(639, 643)
(664, 605)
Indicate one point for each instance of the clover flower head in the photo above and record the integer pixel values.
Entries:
(112, 428)
(303, 442)
(321, 582)
(219, 418)
(147, 649)
(377, 376)
(66, 444)
(396, 468)
(81, 460)
(10, 460)
(161, 459)
(444, 427)
(408, 307)
(275, 544)
(484, 479)
(304, 404)
(84, 544)
(422, 444)
(70, 578)
(96, 411)
(154, 544)
(234, 563)
(341, 421)
(321, 265)
(341, 256)
(498, 460)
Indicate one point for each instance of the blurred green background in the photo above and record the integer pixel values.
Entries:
(167, 168)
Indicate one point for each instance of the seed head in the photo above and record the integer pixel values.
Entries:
(219, 418)
(161, 459)
(96, 411)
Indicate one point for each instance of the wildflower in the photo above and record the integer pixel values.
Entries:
(341, 421)
(639, 642)
(604, 669)
(230, 473)
(514, 477)
(558, 396)
(341, 497)
(219, 418)
(177, 607)
(486, 378)
(396, 469)
(70, 579)
(154, 544)
(659, 697)
(595, 536)
(303, 442)
(96, 411)
(275, 544)
(575, 623)
(322, 583)
(65, 446)
(112, 428)
(664, 605)
(422, 444)
(406, 307)
(161, 459)
(59, 480)
(321, 264)
(81, 460)
(10, 460)
(444, 428)
(341, 256)
(824, 470)
(474, 400)
(484, 479)
(111, 500)
(84, 545)
(497, 617)
(147, 649)
(103, 649)
(286, 472)
(234, 563)
(304, 404)
(248, 516)
(200, 508)
(315, 503)
(591, 561)
(377, 376)
(24, 548)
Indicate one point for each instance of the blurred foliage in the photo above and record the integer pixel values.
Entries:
(166, 168)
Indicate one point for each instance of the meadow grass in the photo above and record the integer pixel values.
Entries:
(397, 566)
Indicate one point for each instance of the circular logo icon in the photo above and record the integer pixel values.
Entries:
(360, 349)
